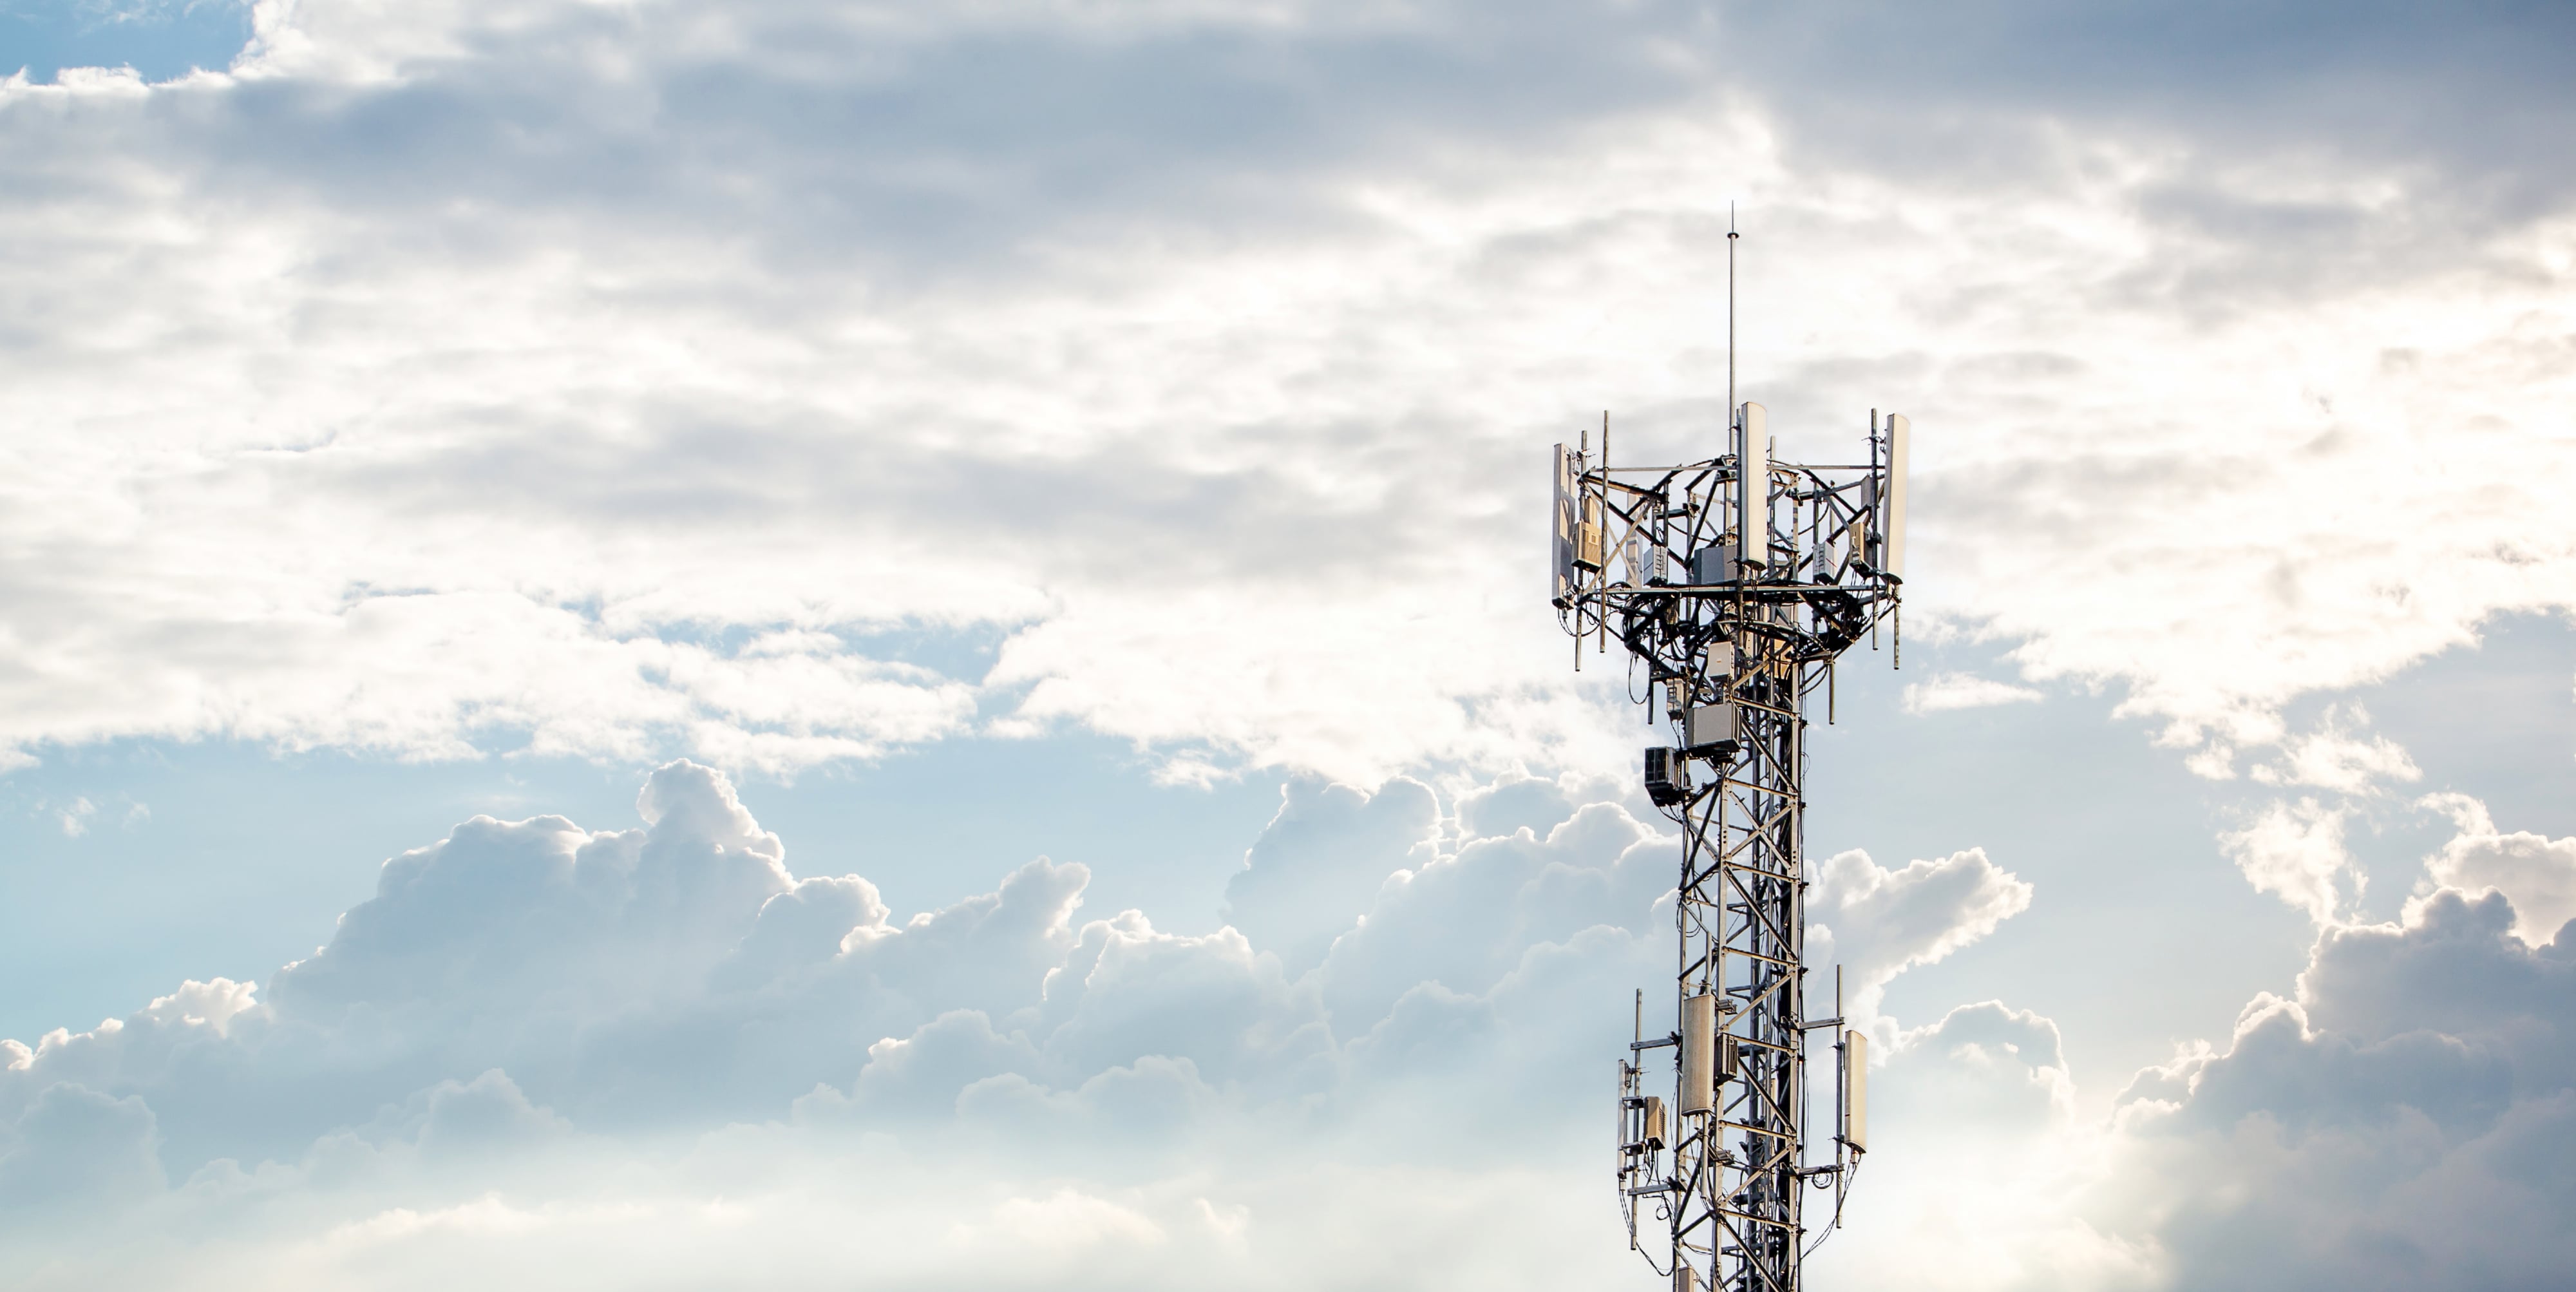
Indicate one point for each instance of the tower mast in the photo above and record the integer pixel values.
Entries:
(1739, 580)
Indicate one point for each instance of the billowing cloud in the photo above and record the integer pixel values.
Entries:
(2399, 1117)
(72, 1148)
(2402, 1118)
(2537, 874)
(538, 1032)
(1319, 865)
(1877, 922)
(1978, 1157)
(665, 1031)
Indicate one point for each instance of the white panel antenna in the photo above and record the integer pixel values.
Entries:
(1562, 472)
(1698, 1089)
(1898, 433)
(1752, 489)
(1856, 1091)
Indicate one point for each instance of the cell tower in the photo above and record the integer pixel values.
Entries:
(1781, 567)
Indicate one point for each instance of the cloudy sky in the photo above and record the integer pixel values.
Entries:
(664, 645)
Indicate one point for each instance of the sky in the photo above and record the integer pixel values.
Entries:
(660, 645)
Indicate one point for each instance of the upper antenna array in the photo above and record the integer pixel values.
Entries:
(1736, 582)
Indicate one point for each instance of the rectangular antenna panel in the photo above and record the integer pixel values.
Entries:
(1561, 585)
(1712, 565)
(1897, 434)
(1654, 1119)
(1856, 1090)
(1699, 1053)
(1752, 486)
(1648, 563)
(1710, 726)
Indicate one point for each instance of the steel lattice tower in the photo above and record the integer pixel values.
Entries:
(1745, 579)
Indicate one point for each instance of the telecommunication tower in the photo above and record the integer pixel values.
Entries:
(1734, 583)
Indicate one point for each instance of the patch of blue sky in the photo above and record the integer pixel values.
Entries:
(2117, 838)
(2142, 934)
(160, 39)
(221, 858)
(2495, 719)
(949, 819)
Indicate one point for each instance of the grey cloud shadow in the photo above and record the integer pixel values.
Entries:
(936, 156)
(2477, 89)
(2465, 107)
(1117, 505)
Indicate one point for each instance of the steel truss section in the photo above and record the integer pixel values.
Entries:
(1734, 599)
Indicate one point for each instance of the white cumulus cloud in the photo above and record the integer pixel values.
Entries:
(2534, 872)
(1963, 691)
(2294, 850)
